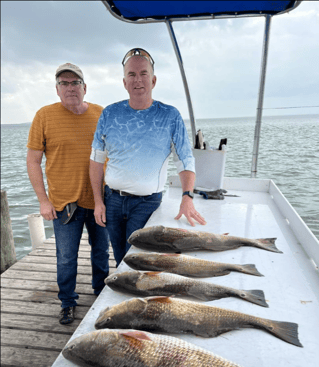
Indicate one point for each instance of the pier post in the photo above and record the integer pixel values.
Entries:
(8, 252)
(36, 228)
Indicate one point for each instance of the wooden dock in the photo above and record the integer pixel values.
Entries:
(31, 334)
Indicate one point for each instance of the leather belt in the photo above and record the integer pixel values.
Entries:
(124, 193)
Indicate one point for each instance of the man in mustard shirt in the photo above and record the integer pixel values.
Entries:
(64, 132)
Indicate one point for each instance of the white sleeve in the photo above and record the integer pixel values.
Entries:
(98, 155)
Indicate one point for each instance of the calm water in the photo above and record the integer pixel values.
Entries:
(288, 154)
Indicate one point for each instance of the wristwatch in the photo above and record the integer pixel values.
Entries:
(189, 193)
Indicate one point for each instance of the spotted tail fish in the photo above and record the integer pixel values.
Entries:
(185, 265)
(133, 348)
(172, 315)
(165, 239)
(165, 284)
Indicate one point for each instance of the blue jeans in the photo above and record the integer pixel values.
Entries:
(126, 214)
(68, 238)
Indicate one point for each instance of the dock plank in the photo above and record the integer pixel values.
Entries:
(38, 285)
(37, 323)
(31, 334)
(42, 296)
(50, 260)
(36, 308)
(46, 267)
(35, 339)
(52, 253)
(12, 356)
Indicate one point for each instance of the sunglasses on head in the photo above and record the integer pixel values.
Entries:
(138, 52)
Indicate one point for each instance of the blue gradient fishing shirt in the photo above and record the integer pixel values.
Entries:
(138, 144)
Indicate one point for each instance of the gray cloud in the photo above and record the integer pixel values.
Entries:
(222, 58)
(56, 30)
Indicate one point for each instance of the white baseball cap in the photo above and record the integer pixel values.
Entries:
(69, 67)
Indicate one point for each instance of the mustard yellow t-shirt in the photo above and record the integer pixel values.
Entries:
(66, 138)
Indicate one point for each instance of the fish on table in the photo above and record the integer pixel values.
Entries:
(166, 284)
(134, 348)
(185, 265)
(165, 314)
(166, 239)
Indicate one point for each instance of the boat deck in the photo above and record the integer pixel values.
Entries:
(30, 332)
(290, 282)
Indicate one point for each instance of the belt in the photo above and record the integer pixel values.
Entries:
(124, 193)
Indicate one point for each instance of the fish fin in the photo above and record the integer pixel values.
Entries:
(287, 331)
(152, 273)
(137, 335)
(159, 299)
(225, 234)
(254, 296)
(268, 244)
(250, 269)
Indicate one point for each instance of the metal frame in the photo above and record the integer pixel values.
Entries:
(183, 74)
(260, 97)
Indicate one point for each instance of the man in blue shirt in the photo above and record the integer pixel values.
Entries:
(137, 137)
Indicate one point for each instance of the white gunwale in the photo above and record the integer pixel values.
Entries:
(290, 282)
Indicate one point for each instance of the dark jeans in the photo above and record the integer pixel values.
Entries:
(68, 238)
(126, 214)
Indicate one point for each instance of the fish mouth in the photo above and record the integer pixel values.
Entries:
(133, 238)
(100, 324)
(110, 279)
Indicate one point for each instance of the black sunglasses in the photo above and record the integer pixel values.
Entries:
(138, 52)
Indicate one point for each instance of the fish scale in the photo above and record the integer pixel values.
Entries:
(185, 265)
(166, 284)
(173, 315)
(166, 239)
(123, 348)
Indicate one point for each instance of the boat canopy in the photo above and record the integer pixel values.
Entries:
(157, 11)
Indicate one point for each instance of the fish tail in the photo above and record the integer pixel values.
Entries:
(287, 331)
(254, 296)
(268, 244)
(249, 269)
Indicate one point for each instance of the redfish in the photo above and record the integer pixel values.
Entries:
(164, 314)
(165, 239)
(133, 348)
(166, 284)
(185, 265)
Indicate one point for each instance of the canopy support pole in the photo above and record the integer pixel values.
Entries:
(260, 97)
(182, 70)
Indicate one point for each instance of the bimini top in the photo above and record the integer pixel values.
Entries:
(159, 11)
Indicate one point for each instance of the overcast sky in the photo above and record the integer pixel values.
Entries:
(222, 59)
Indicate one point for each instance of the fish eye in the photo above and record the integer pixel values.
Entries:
(114, 278)
(108, 319)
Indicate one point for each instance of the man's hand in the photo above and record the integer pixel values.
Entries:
(100, 214)
(187, 208)
(47, 210)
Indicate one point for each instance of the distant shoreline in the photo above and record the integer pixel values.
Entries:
(197, 119)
